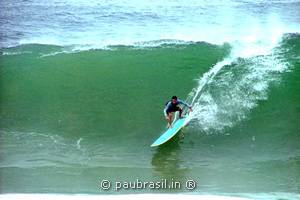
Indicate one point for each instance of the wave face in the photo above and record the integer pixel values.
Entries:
(83, 86)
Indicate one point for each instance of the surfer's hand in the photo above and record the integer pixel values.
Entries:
(191, 109)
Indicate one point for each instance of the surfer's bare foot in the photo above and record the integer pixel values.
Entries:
(169, 125)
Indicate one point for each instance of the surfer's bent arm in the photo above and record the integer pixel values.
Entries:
(184, 103)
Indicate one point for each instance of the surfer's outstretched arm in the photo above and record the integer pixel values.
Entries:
(184, 103)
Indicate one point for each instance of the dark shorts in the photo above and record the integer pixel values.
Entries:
(173, 109)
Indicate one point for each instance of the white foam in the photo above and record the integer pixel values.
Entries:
(190, 196)
(7, 53)
(114, 197)
(229, 98)
(209, 21)
(78, 143)
(222, 102)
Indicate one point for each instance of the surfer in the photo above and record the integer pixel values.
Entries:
(173, 106)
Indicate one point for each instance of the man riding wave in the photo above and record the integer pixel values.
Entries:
(173, 106)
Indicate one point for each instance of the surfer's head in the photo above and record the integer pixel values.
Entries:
(174, 99)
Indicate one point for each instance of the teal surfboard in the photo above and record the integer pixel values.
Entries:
(176, 127)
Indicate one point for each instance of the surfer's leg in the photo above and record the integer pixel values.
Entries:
(180, 112)
(169, 119)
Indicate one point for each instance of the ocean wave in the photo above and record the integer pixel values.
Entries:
(233, 87)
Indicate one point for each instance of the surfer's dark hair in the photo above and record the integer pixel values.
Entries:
(174, 97)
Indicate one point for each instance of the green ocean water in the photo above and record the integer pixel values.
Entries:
(70, 119)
